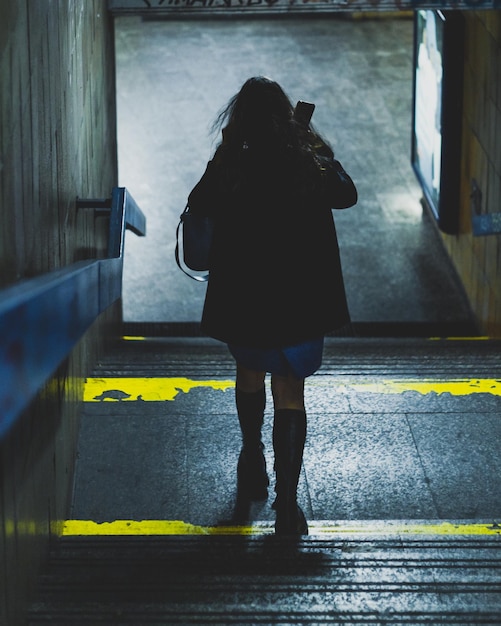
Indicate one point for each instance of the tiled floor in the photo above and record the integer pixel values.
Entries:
(174, 76)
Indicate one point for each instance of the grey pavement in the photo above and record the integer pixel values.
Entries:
(172, 79)
(369, 455)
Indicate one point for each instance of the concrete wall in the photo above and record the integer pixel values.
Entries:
(478, 259)
(57, 142)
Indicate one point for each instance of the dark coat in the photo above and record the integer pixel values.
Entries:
(275, 272)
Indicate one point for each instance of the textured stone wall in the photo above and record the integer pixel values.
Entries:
(478, 259)
(57, 142)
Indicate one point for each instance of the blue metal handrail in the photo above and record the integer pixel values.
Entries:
(42, 319)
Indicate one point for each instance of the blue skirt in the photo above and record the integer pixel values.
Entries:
(302, 360)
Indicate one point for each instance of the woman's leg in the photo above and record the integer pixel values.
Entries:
(250, 398)
(288, 392)
(249, 380)
(289, 435)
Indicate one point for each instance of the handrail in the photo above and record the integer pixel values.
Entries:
(42, 319)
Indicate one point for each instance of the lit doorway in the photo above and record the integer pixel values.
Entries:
(172, 79)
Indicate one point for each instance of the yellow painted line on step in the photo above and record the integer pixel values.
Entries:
(411, 528)
(145, 389)
(133, 338)
(130, 527)
(164, 389)
(459, 387)
(474, 338)
(316, 528)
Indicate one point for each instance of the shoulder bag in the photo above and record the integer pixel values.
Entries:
(193, 243)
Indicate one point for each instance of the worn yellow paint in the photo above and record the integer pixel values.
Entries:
(133, 338)
(413, 528)
(131, 527)
(479, 338)
(322, 528)
(146, 389)
(454, 387)
(162, 389)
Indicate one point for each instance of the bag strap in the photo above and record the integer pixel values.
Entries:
(201, 278)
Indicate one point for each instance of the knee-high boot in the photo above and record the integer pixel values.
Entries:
(289, 435)
(251, 470)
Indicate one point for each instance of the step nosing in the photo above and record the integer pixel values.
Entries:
(317, 528)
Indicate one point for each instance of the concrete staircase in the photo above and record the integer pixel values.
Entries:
(263, 580)
(440, 570)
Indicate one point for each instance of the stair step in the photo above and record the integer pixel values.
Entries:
(342, 357)
(356, 579)
(395, 575)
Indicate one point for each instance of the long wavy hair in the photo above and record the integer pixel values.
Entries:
(261, 115)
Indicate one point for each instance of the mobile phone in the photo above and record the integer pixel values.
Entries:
(303, 112)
